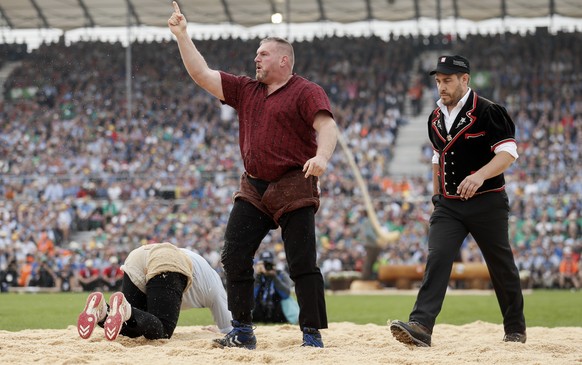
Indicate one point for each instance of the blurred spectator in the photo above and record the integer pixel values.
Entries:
(66, 278)
(89, 277)
(53, 191)
(331, 264)
(569, 270)
(27, 270)
(113, 275)
(43, 275)
(45, 245)
(9, 276)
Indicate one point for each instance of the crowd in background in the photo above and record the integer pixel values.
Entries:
(73, 161)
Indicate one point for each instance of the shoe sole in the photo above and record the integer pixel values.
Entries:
(114, 320)
(88, 318)
(218, 343)
(313, 346)
(402, 335)
(517, 340)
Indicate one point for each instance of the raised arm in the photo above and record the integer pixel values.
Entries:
(195, 64)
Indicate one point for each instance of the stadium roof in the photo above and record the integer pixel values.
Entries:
(73, 14)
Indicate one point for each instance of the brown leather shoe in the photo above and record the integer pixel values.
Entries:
(411, 333)
(515, 337)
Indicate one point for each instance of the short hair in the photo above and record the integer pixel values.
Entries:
(284, 44)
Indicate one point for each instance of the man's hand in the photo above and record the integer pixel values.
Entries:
(177, 21)
(501, 162)
(211, 328)
(468, 187)
(315, 166)
(262, 270)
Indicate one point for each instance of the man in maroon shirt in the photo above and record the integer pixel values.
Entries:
(287, 136)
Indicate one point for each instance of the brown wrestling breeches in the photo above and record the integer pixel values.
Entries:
(292, 191)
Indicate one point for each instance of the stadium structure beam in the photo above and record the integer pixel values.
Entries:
(131, 10)
(227, 11)
(322, 16)
(369, 11)
(438, 15)
(416, 10)
(6, 19)
(128, 56)
(456, 9)
(40, 14)
(273, 7)
(552, 7)
(88, 16)
(503, 9)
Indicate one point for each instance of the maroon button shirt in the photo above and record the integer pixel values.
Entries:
(276, 131)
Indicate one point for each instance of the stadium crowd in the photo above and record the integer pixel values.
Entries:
(72, 161)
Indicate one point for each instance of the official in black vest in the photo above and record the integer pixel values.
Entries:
(474, 143)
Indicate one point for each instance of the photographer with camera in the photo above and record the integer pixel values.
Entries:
(273, 301)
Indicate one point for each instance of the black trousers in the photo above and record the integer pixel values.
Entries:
(246, 228)
(154, 314)
(486, 217)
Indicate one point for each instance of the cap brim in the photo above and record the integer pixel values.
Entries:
(448, 70)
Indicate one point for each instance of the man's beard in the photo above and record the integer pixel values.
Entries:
(450, 100)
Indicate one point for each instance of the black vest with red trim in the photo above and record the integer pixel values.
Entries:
(479, 128)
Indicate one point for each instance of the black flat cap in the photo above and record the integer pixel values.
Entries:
(452, 65)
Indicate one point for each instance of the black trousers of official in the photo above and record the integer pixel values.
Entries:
(154, 314)
(486, 218)
(246, 228)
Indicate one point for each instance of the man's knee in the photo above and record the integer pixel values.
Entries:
(236, 266)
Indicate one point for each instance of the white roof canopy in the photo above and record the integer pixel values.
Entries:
(72, 14)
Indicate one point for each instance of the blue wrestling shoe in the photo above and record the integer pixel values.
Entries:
(242, 335)
(312, 337)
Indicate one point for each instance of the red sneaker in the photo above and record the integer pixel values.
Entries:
(95, 311)
(119, 312)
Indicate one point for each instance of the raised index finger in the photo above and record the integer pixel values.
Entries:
(176, 7)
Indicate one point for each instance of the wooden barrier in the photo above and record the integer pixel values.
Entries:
(401, 276)
(475, 275)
